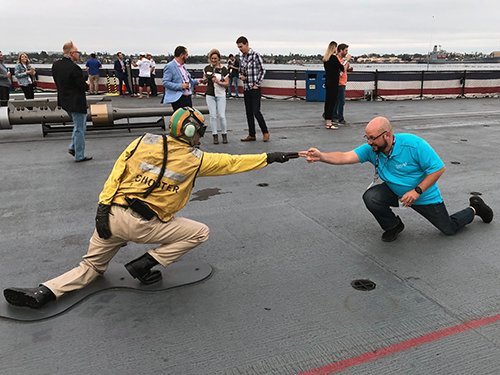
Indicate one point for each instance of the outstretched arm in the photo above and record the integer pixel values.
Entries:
(225, 164)
(313, 154)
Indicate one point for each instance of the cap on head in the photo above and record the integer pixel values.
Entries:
(185, 123)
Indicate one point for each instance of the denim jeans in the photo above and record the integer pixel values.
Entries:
(78, 138)
(380, 198)
(338, 110)
(252, 107)
(217, 108)
(233, 81)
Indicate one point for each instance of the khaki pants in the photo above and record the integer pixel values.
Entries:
(177, 237)
(94, 83)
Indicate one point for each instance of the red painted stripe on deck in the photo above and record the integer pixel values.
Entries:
(363, 358)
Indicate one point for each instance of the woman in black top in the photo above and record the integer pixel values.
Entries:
(333, 67)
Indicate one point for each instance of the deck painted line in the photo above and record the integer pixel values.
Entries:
(370, 356)
(454, 114)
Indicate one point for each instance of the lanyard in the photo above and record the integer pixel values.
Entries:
(375, 177)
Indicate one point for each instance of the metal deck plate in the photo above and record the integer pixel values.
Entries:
(116, 277)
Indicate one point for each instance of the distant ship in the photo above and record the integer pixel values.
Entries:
(440, 56)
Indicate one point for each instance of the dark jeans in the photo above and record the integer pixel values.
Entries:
(380, 198)
(233, 81)
(152, 84)
(4, 96)
(29, 92)
(183, 101)
(338, 110)
(252, 106)
(122, 78)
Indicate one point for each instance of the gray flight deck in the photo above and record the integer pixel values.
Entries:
(286, 242)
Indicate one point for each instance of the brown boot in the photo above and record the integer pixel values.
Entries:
(266, 137)
(216, 139)
(249, 138)
(224, 138)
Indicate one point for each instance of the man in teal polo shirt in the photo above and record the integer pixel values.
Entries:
(409, 169)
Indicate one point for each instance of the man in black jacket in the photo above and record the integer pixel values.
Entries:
(71, 88)
(121, 73)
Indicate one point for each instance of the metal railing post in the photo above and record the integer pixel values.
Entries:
(422, 85)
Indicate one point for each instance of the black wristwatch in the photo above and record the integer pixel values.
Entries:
(418, 190)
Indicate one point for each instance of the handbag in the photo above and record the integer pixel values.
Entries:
(34, 78)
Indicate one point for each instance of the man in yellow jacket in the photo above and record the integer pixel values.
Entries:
(138, 205)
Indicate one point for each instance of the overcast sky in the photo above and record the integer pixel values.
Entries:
(272, 26)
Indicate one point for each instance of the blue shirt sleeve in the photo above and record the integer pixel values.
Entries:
(365, 153)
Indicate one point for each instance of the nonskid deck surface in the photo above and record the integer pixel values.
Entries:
(115, 278)
(286, 243)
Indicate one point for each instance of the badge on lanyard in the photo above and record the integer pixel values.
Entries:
(376, 175)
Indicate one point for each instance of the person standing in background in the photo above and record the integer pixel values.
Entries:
(234, 67)
(25, 76)
(152, 83)
(71, 88)
(4, 83)
(177, 81)
(217, 78)
(252, 73)
(93, 65)
(121, 74)
(144, 74)
(344, 58)
(332, 71)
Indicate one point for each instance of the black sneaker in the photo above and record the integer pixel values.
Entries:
(482, 209)
(391, 235)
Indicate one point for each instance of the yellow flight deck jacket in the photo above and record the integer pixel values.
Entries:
(133, 175)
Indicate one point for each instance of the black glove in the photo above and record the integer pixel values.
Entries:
(102, 221)
(281, 157)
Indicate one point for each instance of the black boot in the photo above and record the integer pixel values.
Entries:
(140, 268)
(216, 139)
(29, 297)
(224, 138)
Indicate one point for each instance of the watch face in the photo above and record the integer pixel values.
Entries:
(418, 190)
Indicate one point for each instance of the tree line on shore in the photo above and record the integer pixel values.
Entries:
(44, 57)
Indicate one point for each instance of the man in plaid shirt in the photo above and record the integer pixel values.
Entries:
(252, 73)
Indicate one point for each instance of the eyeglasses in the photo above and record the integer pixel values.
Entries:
(75, 52)
(371, 139)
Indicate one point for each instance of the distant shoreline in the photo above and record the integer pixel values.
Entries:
(357, 67)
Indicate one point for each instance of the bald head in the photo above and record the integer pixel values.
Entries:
(378, 134)
(377, 126)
